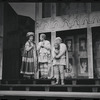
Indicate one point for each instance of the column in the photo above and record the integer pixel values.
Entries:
(89, 44)
(38, 15)
(53, 33)
(1, 39)
(53, 16)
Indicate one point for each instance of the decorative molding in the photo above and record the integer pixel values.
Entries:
(68, 22)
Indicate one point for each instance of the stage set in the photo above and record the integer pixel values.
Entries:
(78, 25)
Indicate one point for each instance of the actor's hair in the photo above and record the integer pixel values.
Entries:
(43, 36)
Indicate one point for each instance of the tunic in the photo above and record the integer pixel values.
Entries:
(55, 52)
(44, 52)
(63, 53)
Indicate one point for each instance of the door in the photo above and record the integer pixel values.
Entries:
(76, 42)
(96, 51)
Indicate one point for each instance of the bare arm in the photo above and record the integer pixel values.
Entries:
(27, 47)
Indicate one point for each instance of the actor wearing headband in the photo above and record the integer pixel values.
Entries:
(29, 57)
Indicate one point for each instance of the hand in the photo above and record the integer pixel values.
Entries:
(42, 45)
(57, 57)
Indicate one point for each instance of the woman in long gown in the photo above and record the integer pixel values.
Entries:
(29, 57)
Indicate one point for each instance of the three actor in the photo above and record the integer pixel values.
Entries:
(41, 55)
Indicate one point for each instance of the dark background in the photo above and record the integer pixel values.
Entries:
(15, 29)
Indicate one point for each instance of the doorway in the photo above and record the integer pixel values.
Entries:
(96, 51)
(76, 42)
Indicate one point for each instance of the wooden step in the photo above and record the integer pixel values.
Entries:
(27, 81)
(51, 81)
(71, 85)
(45, 87)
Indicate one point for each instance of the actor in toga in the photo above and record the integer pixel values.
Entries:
(44, 48)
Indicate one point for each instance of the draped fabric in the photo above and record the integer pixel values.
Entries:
(55, 61)
(44, 57)
(64, 55)
(44, 53)
(29, 60)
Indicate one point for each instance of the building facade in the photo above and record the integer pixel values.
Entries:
(78, 25)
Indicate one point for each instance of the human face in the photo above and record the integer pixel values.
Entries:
(56, 46)
(31, 38)
(41, 38)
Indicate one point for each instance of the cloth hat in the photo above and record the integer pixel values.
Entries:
(30, 34)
